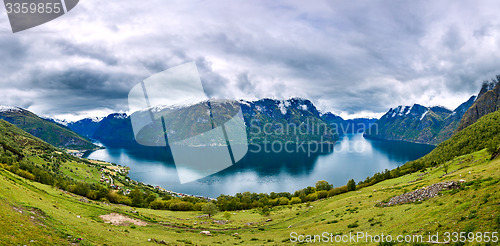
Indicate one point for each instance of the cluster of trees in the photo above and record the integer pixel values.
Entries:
(248, 200)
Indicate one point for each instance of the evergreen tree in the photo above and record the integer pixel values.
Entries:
(351, 185)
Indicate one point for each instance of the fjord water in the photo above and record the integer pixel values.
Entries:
(352, 157)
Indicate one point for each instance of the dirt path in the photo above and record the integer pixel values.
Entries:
(121, 220)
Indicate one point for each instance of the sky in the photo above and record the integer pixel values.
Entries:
(352, 58)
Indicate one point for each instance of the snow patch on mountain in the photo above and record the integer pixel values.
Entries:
(96, 119)
(423, 115)
(62, 122)
(120, 116)
(243, 102)
(282, 107)
(5, 108)
(408, 109)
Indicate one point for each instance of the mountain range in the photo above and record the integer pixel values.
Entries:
(265, 119)
(419, 124)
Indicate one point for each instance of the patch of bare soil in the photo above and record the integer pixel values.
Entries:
(121, 220)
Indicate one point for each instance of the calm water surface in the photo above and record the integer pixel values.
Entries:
(352, 157)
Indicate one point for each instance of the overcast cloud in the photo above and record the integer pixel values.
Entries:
(354, 58)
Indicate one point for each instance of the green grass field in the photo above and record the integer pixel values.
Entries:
(36, 214)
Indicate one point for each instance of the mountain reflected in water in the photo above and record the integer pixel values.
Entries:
(352, 157)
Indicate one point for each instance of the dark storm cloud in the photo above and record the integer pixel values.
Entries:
(93, 51)
(78, 89)
(347, 57)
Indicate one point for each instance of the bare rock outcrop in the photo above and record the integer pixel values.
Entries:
(422, 194)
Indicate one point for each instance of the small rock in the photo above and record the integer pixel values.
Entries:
(206, 233)
(269, 220)
(78, 216)
(236, 234)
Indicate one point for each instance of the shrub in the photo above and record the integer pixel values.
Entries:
(295, 200)
(322, 194)
(227, 215)
(337, 190)
(180, 206)
(353, 225)
(283, 201)
(312, 197)
(265, 211)
(25, 174)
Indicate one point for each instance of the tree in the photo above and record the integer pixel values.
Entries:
(323, 185)
(446, 165)
(265, 211)
(351, 185)
(137, 197)
(209, 209)
(227, 215)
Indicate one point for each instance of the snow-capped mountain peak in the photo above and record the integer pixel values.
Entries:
(6, 108)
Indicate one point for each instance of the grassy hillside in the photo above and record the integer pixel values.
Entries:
(50, 132)
(48, 215)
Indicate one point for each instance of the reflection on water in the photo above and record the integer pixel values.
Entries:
(352, 157)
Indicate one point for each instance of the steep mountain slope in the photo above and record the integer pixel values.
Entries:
(85, 127)
(357, 125)
(20, 142)
(48, 131)
(488, 101)
(115, 129)
(452, 121)
(419, 124)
